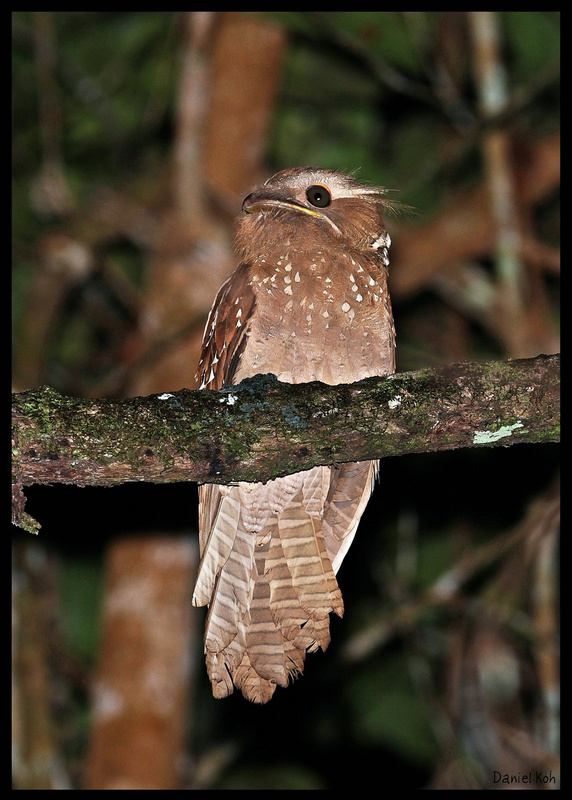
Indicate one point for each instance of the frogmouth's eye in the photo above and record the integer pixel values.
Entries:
(318, 196)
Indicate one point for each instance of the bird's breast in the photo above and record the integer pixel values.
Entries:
(319, 317)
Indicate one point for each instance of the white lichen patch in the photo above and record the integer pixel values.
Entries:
(487, 437)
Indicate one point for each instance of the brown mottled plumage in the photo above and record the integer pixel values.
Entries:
(307, 302)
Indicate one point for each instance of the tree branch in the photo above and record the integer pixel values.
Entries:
(262, 428)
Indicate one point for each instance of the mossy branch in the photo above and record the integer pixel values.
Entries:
(262, 428)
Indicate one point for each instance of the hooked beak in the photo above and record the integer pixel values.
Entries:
(267, 201)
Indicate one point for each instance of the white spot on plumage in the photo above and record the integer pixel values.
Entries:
(359, 298)
(346, 307)
(288, 290)
(297, 277)
(383, 240)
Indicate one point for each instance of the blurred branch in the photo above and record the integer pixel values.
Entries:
(50, 192)
(441, 254)
(493, 96)
(545, 613)
(465, 230)
(37, 762)
(262, 428)
(193, 98)
(439, 97)
(538, 528)
(246, 82)
(147, 631)
(64, 263)
(387, 74)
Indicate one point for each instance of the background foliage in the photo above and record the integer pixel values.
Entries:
(413, 669)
